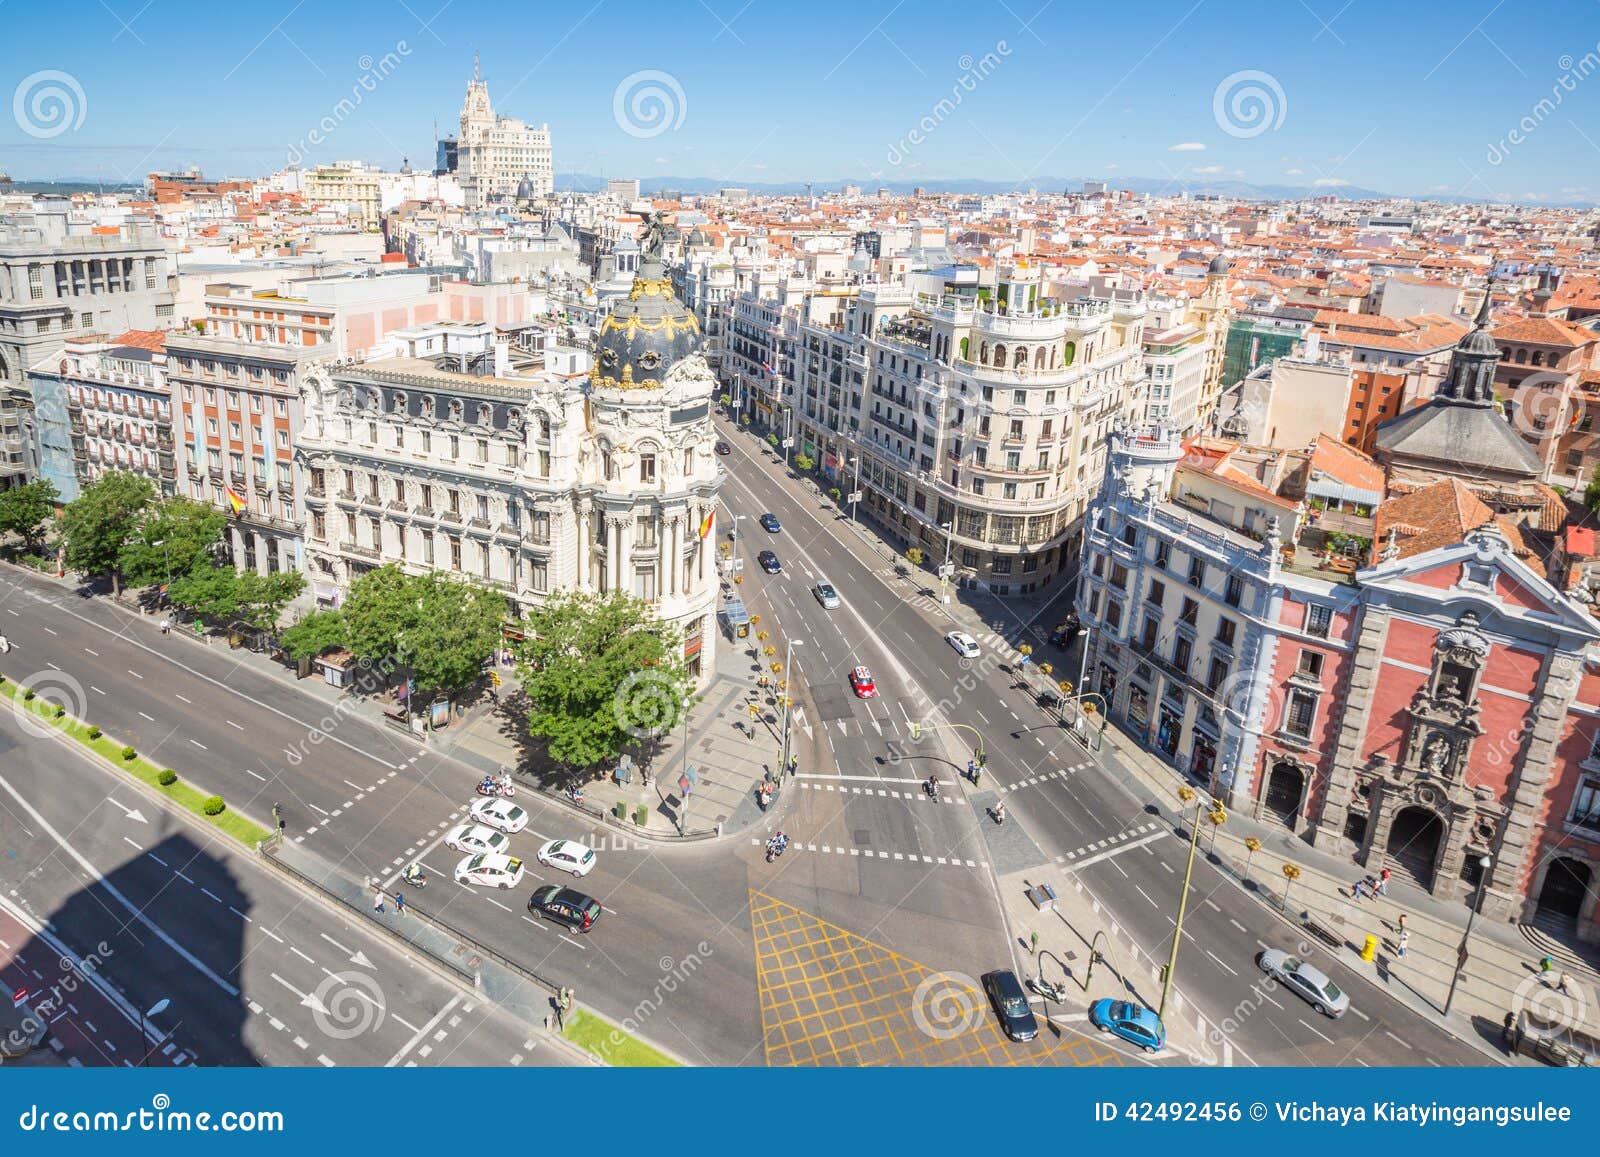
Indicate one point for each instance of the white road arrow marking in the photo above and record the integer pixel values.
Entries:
(307, 999)
(132, 813)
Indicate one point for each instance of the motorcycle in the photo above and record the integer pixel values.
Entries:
(495, 787)
(932, 788)
(575, 794)
(415, 876)
(776, 847)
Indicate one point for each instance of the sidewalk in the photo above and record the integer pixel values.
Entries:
(730, 750)
(1501, 973)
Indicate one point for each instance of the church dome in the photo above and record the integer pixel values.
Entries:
(1219, 264)
(646, 335)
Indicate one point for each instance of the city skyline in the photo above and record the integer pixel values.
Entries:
(1493, 107)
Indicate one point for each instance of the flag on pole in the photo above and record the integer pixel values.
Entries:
(234, 500)
(705, 527)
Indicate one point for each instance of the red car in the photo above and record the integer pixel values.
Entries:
(861, 680)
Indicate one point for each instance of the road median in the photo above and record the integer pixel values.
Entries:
(37, 712)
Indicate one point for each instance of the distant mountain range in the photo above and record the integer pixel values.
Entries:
(1231, 189)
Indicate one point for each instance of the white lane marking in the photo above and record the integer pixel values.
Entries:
(1146, 895)
(1320, 1033)
(51, 632)
(151, 718)
(258, 775)
(134, 673)
(1117, 851)
(233, 725)
(95, 689)
(423, 1031)
(1236, 924)
(1221, 962)
(175, 695)
(1392, 1037)
(301, 955)
(96, 654)
(83, 862)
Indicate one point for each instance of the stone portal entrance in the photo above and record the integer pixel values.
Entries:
(1286, 784)
(1414, 840)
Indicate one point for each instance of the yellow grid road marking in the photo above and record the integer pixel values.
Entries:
(830, 997)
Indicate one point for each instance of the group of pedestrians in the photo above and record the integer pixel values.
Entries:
(380, 898)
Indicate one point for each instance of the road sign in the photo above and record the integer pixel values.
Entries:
(853, 496)
(687, 782)
(787, 443)
(947, 570)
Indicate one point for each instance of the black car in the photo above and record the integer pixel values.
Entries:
(769, 562)
(769, 523)
(565, 906)
(724, 449)
(1011, 1002)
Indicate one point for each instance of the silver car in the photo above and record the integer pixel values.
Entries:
(1306, 981)
(826, 595)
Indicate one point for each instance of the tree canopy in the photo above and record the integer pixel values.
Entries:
(318, 632)
(97, 525)
(25, 509)
(174, 536)
(227, 595)
(601, 672)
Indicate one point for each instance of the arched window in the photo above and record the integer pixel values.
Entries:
(983, 354)
(1053, 353)
(1020, 360)
(1038, 358)
(1536, 358)
(1000, 356)
(1068, 351)
(1522, 357)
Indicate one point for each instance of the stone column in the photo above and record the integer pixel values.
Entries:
(614, 525)
(1458, 817)
(673, 552)
(1502, 897)
(583, 548)
(1328, 830)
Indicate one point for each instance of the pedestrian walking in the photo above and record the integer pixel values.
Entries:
(1359, 889)
(1562, 983)
(1507, 1029)
(1546, 965)
(166, 626)
(377, 902)
(1405, 939)
(399, 903)
(1382, 888)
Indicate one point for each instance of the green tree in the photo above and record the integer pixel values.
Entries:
(804, 463)
(381, 607)
(457, 626)
(1591, 494)
(318, 632)
(214, 592)
(25, 509)
(914, 555)
(600, 671)
(98, 523)
(186, 531)
(262, 597)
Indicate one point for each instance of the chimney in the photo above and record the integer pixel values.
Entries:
(502, 358)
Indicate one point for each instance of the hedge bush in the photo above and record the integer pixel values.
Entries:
(94, 733)
(213, 805)
(128, 753)
(167, 778)
(29, 694)
(60, 710)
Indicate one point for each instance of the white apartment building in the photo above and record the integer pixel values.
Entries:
(463, 455)
(972, 420)
(500, 158)
(1175, 361)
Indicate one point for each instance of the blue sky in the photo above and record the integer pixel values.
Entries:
(1400, 97)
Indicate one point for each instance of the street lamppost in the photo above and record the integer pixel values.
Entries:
(1484, 863)
(788, 430)
(788, 697)
(855, 490)
(1217, 817)
(150, 1013)
(944, 571)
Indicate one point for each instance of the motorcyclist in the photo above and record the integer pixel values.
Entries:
(933, 786)
(504, 783)
(488, 786)
(415, 875)
(999, 813)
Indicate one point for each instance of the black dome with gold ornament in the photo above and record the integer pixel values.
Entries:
(645, 336)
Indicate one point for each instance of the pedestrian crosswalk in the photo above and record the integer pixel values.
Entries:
(874, 854)
(854, 789)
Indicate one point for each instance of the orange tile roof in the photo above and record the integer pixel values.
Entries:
(153, 340)
(1438, 515)
(1543, 331)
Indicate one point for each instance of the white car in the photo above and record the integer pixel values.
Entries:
(964, 643)
(569, 856)
(491, 870)
(476, 838)
(500, 814)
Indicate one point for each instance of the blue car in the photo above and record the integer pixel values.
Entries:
(769, 523)
(1132, 1022)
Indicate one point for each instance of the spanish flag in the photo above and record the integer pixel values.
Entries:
(234, 500)
(705, 527)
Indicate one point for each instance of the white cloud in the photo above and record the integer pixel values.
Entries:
(1330, 182)
(1187, 147)
(1112, 165)
(663, 160)
(1293, 172)
(1207, 170)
